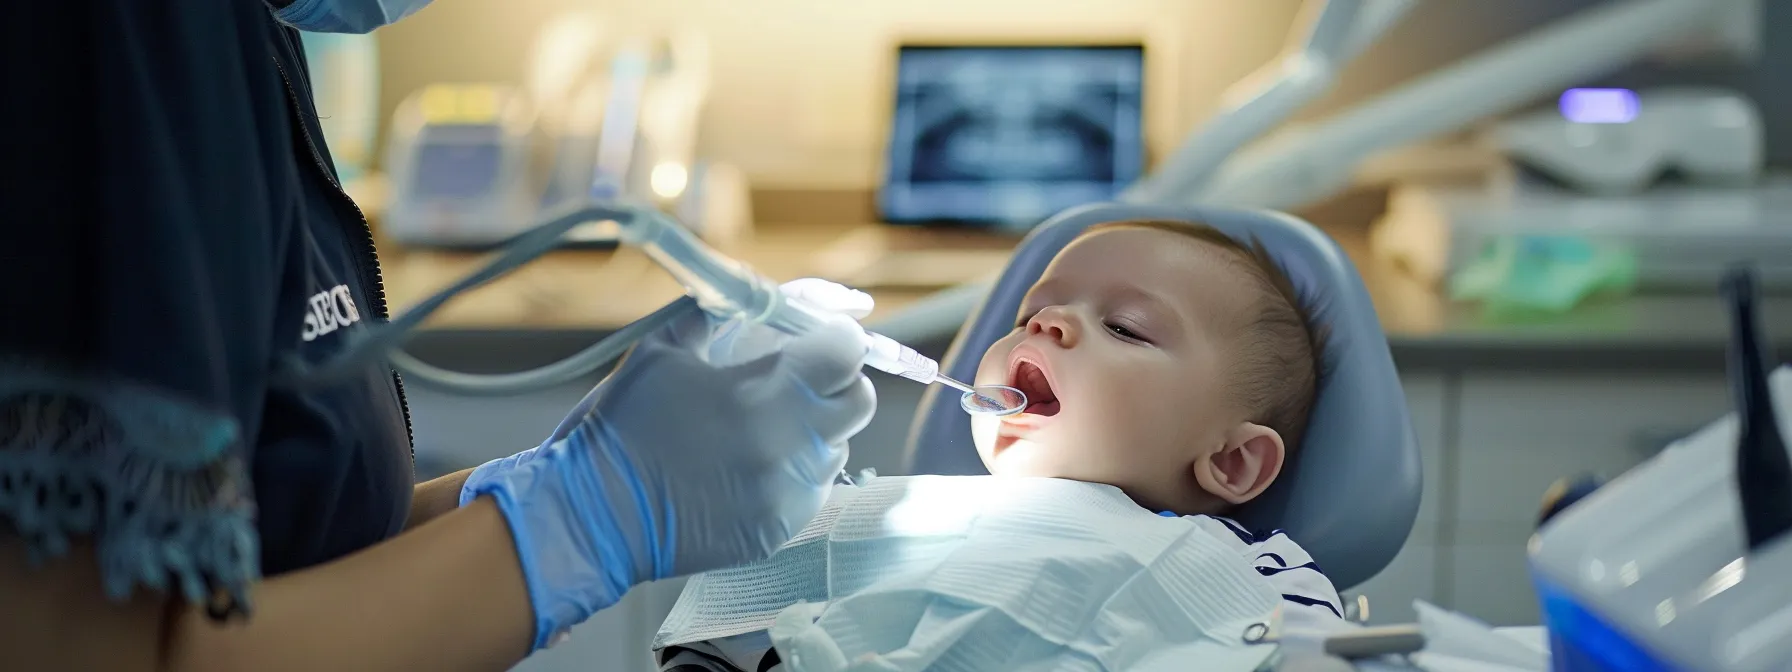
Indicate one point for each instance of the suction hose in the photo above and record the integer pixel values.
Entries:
(385, 341)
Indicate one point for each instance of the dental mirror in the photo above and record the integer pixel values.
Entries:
(997, 400)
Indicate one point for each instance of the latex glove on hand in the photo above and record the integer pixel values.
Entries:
(709, 446)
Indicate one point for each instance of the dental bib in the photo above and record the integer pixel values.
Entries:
(988, 573)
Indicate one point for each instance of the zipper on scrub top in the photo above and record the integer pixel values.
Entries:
(366, 263)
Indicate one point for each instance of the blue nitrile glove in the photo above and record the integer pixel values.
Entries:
(693, 455)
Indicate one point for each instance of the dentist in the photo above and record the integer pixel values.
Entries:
(172, 227)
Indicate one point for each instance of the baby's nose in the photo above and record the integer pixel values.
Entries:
(1056, 324)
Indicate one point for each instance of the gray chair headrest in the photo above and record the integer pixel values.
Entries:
(1349, 496)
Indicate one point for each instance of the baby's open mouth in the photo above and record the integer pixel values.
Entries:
(1031, 381)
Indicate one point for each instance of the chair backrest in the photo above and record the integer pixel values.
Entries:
(1351, 493)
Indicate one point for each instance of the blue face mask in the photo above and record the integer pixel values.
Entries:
(346, 16)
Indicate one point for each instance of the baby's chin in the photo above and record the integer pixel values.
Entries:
(1024, 458)
(1012, 464)
(1049, 455)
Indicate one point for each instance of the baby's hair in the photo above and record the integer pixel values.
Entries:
(1282, 348)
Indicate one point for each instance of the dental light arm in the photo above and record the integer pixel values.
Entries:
(1315, 162)
(1336, 32)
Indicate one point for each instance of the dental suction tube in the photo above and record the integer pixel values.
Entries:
(728, 288)
(383, 342)
(714, 283)
(722, 286)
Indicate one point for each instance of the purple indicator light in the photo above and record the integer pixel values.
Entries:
(1599, 106)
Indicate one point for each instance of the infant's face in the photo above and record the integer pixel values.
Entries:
(1120, 349)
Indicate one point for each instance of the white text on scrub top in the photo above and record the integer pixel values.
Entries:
(329, 310)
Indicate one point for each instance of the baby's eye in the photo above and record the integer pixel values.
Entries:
(1123, 332)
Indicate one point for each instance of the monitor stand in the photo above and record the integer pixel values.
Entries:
(899, 257)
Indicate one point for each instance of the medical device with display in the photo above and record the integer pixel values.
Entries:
(1009, 135)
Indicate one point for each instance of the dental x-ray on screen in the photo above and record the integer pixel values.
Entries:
(1011, 135)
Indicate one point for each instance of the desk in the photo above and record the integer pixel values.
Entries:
(582, 292)
(599, 290)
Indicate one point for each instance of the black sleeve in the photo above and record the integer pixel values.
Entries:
(137, 230)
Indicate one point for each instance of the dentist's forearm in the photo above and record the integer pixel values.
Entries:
(435, 497)
(448, 595)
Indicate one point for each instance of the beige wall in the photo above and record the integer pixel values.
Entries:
(801, 87)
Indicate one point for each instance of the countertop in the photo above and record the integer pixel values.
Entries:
(559, 304)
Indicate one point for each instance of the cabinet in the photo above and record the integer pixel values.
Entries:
(1492, 444)
(1517, 434)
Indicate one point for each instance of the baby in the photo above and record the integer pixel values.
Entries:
(1167, 360)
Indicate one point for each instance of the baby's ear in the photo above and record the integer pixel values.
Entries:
(1244, 467)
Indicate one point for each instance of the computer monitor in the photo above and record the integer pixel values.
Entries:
(1009, 135)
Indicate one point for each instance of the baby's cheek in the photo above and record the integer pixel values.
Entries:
(1113, 414)
(1130, 427)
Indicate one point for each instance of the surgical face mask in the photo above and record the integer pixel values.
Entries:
(988, 573)
(346, 16)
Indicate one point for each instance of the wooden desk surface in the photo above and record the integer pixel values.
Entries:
(600, 291)
(597, 289)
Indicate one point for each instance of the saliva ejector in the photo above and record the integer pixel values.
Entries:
(721, 286)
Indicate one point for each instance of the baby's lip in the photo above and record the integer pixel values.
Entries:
(1023, 423)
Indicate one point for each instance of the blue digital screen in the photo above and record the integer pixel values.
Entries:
(457, 170)
(1011, 134)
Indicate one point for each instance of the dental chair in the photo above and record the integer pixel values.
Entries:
(1351, 493)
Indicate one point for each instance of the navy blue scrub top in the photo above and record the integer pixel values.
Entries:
(172, 227)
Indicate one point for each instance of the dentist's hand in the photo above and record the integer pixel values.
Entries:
(696, 453)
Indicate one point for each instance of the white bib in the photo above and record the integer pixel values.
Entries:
(988, 573)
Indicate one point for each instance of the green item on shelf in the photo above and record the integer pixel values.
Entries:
(1542, 273)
